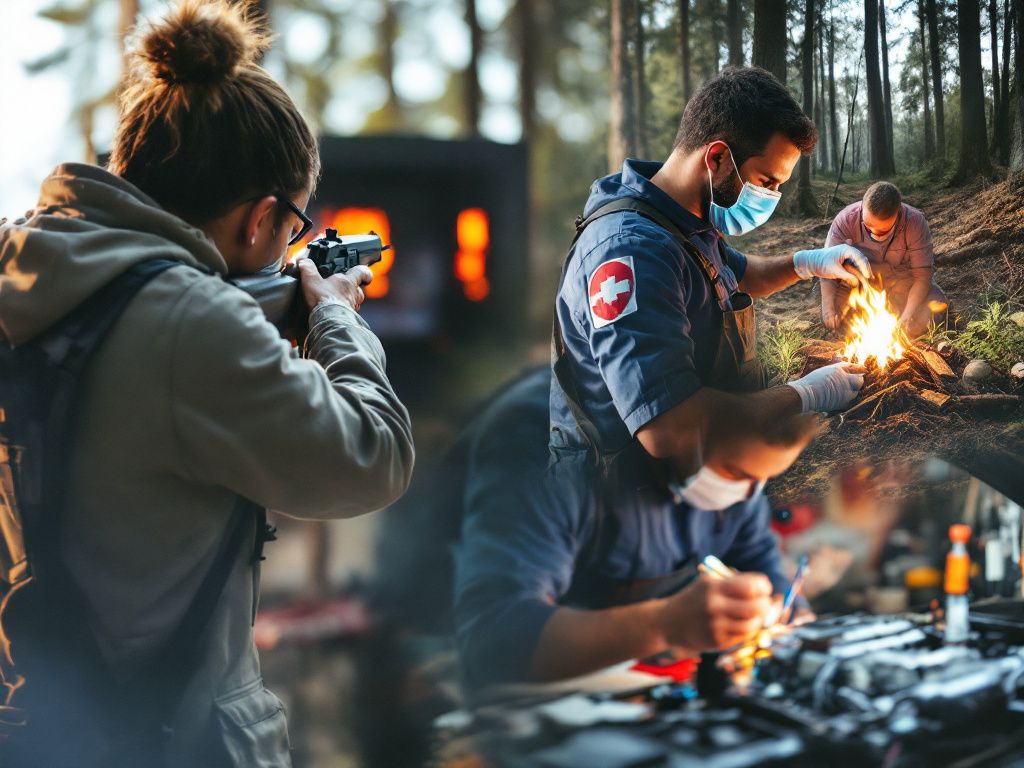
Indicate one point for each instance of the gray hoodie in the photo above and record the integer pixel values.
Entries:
(192, 399)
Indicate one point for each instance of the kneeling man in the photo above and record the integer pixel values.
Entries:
(895, 238)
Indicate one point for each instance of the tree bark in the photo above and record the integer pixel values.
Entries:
(974, 157)
(933, 43)
(929, 129)
(1017, 155)
(770, 39)
(684, 48)
(620, 134)
(833, 116)
(734, 32)
(524, 13)
(881, 160)
(808, 205)
(887, 91)
(640, 77)
(471, 82)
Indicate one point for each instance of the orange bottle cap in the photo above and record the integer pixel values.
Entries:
(960, 533)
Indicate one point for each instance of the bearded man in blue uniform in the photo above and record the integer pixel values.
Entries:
(661, 433)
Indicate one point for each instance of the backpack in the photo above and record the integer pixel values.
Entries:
(61, 703)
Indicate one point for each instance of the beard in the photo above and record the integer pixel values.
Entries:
(727, 192)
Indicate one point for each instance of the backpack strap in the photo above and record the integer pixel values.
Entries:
(69, 347)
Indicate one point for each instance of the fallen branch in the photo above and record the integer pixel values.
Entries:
(989, 401)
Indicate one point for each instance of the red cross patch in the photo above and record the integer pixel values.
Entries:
(612, 291)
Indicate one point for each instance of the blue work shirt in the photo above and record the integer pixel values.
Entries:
(529, 535)
(660, 350)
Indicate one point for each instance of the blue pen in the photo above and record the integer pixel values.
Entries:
(794, 589)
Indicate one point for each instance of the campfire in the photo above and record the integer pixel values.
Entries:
(904, 377)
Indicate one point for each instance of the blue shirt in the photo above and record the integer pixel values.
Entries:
(659, 350)
(527, 534)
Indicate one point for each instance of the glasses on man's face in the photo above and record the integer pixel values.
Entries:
(305, 223)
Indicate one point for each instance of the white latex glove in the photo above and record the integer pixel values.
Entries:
(830, 388)
(828, 263)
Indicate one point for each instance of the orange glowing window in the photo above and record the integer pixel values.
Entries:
(353, 221)
(473, 234)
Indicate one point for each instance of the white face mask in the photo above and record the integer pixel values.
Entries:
(708, 490)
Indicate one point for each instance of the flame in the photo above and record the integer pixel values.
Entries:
(874, 330)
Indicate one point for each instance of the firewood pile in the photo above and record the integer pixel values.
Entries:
(919, 385)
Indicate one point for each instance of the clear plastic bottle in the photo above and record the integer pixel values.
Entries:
(958, 572)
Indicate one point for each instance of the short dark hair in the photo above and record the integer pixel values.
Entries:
(883, 199)
(744, 107)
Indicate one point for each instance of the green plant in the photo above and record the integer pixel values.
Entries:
(993, 336)
(779, 353)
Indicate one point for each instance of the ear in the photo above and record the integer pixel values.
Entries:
(259, 216)
(714, 153)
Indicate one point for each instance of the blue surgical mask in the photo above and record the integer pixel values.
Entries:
(752, 208)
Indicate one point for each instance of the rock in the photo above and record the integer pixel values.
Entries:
(977, 370)
(1018, 317)
(1017, 371)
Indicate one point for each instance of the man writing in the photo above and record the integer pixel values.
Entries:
(896, 240)
(660, 439)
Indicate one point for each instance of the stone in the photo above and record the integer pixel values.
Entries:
(977, 370)
(1017, 371)
(1018, 318)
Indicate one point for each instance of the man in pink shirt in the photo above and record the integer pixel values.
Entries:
(895, 238)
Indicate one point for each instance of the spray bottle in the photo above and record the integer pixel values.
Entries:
(958, 571)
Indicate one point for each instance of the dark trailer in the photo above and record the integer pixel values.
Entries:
(455, 214)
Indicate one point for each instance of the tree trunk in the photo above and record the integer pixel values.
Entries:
(826, 141)
(128, 11)
(734, 31)
(974, 158)
(640, 77)
(933, 43)
(1001, 129)
(808, 205)
(620, 133)
(993, 26)
(881, 160)
(1017, 155)
(388, 34)
(833, 116)
(714, 17)
(527, 72)
(770, 39)
(887, 91)
(929, 130)
(684, 48)
(471, 83)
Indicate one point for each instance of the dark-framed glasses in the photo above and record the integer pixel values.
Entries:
(307, 223)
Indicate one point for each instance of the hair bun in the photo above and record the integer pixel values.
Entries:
(203, 41)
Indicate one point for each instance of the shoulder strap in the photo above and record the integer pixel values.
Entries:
(648, 211)
(560, 361)
(69, 348)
